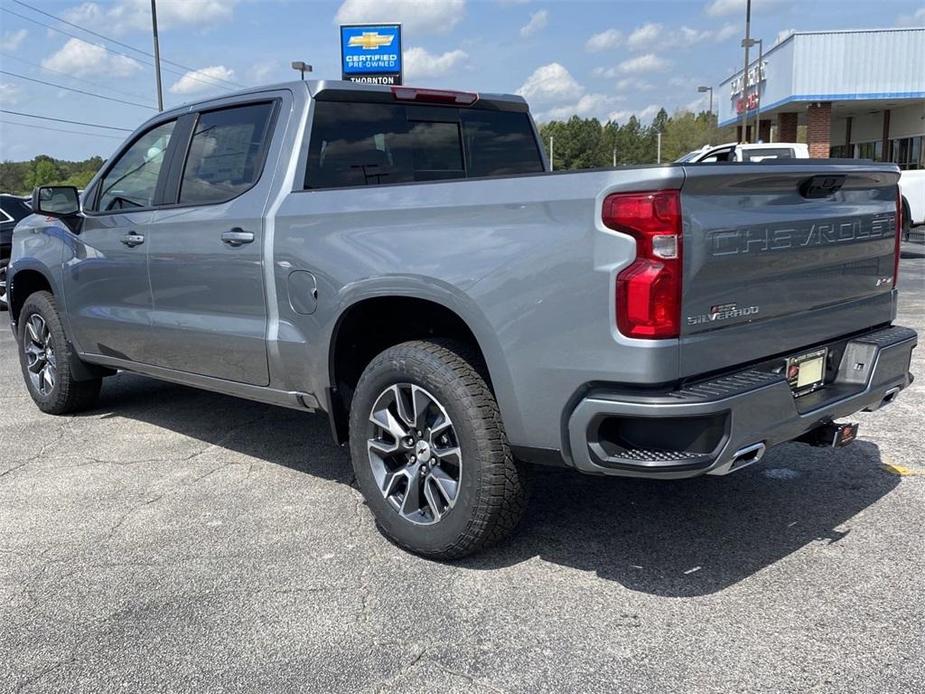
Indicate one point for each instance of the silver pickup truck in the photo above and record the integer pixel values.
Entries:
(404, 261)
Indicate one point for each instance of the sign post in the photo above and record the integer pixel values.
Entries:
(371, 53)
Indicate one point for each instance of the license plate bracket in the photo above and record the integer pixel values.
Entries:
(806, 372)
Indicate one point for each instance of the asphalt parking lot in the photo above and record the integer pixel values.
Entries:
(177, 540)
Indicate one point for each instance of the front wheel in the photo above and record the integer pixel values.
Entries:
(46, 357)
(430, 454)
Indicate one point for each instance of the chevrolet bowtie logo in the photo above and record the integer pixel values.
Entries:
(370, 40)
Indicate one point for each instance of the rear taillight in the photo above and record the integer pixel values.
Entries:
(899, 235)
(648, 292)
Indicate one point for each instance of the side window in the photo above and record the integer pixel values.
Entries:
(719, 155)
(357, 144)
(226, 153)
(769, 153)
(500, 143)
(132, 180)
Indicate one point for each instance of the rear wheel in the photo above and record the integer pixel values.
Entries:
(430, 454)
(46, 357)
(907, 221)
(3, 303)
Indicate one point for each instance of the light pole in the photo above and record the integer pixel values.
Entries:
(758, 91)
(157, 57)
(746, 44)
(301, 67)
(703, 90)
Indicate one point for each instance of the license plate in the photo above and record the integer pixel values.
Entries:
(806, 372)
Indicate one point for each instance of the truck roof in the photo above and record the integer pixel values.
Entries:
(343, 89)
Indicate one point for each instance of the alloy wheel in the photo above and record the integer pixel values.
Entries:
(414, 453)
(41, 361)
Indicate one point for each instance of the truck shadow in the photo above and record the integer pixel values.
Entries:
(676, 539)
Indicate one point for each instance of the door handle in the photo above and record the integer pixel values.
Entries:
(237, 237)
(132, 239)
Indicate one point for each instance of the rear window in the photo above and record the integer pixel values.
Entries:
(767, 153)
(356, 144)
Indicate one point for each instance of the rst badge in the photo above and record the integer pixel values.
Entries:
(722, 312)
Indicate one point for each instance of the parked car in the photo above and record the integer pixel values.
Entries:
(404, 261)
(734, 151)
(912, 188)
(12, 209)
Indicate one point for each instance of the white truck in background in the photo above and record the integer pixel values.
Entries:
(911, 182)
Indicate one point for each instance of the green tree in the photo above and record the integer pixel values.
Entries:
(44, 171)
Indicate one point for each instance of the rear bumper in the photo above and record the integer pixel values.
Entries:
(727, 422)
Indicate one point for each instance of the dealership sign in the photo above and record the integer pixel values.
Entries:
(749, 103)
(755, 75)
(371, 53)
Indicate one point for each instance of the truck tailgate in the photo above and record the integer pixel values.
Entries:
(778, 257)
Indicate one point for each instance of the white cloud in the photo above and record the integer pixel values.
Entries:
(538, 22)
(80, 58)
(261, 72)
(723, 8)
(635, 84)
(589, 105)
(648, 62)
(438, 16)
(643, 115)
(201, 80)
(686, 36)
(12, 40)
(551, 83)
(653, 34)
(604, 41)
(419, 62)
(9, 94)
(128, 15)
(916, 19)
(644, 36)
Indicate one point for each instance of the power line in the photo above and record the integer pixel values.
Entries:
(72, 89)
(76, 79)
(63, 120)
(201, 79)
(115, 41)
(45, 128)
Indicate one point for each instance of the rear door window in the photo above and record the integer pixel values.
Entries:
(364, 144)
(500, 143)
(226, 153)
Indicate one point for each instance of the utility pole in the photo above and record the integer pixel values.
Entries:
(746, 42)
(552, 163)
(758, 91)
(615, 157)
(659, 151)
(157, 57)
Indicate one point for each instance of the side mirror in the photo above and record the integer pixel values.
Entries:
(56, 201)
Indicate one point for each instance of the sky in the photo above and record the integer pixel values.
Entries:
(607, 59)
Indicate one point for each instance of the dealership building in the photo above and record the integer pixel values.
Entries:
(860, 94)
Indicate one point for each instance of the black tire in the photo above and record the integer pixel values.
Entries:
(3, 302)
(907, 221)
(66, 395)
(491, 494)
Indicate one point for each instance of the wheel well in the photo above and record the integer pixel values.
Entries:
(372, 326)
(25, 283)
